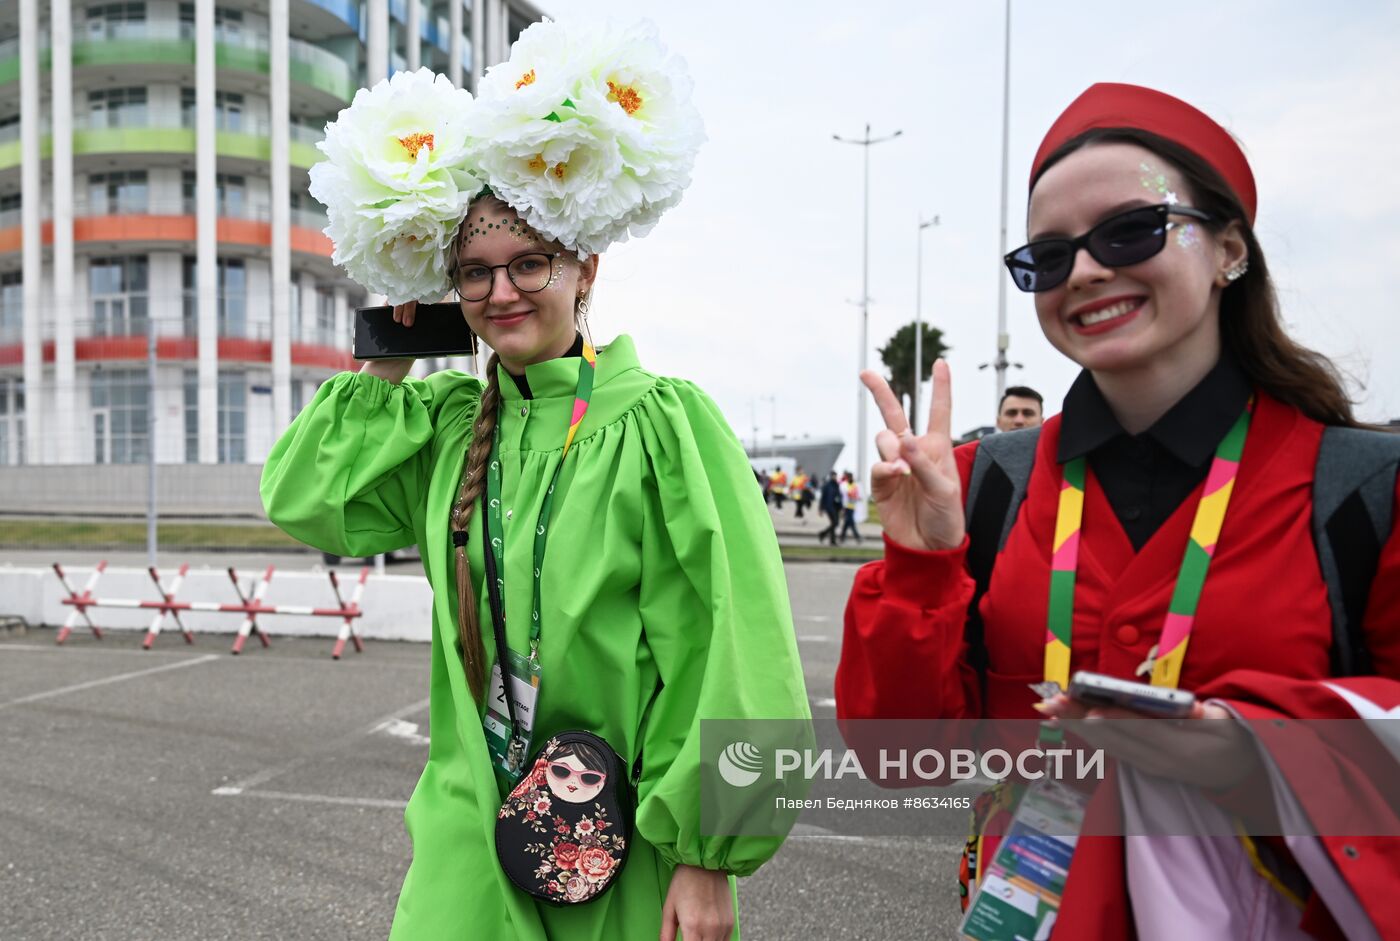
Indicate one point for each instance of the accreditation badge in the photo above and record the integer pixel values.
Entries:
(1019, 895)
(509, 747)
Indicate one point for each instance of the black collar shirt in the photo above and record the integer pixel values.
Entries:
(1147, 476)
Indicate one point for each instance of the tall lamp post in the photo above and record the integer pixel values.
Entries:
(919, 328)
(865, 142)
(1003, 338)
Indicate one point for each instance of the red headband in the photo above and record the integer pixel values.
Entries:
(1109, 104)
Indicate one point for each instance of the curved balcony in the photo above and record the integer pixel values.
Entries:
(326, 14)
(248, 139)
(155, 224)
(242, 336)
(164, 50)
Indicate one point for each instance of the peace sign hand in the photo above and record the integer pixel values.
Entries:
(916, 484)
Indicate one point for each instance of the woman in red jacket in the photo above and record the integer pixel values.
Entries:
(1192, 433)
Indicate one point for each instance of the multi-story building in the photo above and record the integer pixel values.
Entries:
(154, 160)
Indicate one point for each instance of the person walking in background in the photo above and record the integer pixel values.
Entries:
(778, 486)
(1021, 407)
(799, 493)
(763, 484)
(830, 505)
(850, 492)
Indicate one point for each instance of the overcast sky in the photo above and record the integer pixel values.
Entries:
(746, 287)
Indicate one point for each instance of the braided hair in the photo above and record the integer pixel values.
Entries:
(473, 483)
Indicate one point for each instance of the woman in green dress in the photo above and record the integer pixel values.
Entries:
(662, 600)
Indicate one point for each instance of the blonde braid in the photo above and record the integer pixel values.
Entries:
(473, 483)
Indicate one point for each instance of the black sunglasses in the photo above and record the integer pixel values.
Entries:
(1118, 241)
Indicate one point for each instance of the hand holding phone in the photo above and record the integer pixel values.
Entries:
(412, 331)
(1096, 689)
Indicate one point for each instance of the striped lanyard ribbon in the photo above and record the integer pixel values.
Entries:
(496, 530)
(1190, 580)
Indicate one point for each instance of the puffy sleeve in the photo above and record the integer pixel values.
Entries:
(716, 618)
(349, 475)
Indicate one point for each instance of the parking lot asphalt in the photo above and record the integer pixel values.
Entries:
(182, 793)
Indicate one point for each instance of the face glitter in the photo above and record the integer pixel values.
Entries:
(1157, 183)
(1187, 237)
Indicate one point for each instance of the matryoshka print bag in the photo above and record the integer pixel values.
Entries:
(563, 833)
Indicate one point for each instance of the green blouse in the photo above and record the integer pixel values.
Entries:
(664, 603)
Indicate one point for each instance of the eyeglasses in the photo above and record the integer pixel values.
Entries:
(1125, 239)
(562, 772)
(529, 273)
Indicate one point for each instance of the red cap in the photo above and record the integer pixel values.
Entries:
(1109, 104)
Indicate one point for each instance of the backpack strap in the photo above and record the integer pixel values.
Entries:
(1001, 470)
(1353, 514)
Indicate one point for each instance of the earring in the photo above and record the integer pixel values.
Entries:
(583, 305)
(1237, 272)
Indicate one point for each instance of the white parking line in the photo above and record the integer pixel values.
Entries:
(78, 687)
(267, 774)
(827, 703)
(68, 651)
(313, 798)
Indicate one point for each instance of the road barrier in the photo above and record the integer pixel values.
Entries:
(250, 605)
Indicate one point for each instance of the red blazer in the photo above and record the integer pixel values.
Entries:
(1262, 619)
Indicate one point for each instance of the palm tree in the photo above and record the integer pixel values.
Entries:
(898, 357)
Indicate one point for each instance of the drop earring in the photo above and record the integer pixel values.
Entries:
(581, 318)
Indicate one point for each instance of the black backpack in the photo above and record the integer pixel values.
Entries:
(1353, 509)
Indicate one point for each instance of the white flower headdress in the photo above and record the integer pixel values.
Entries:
(588, 132)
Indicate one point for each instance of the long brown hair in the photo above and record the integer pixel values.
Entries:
(1250, 326)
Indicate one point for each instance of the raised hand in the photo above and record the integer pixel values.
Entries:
(394, 370)
(915, 483)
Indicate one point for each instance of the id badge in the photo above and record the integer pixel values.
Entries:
(509, 748)
(1018, 898)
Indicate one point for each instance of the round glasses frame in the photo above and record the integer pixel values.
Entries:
(489, 282)
(1032, 279)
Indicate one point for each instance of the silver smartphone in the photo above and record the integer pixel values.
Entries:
(1095, 689)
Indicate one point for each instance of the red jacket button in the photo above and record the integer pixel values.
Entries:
(1128, 635)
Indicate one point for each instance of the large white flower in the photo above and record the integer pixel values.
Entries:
(588, 131)
(397, 182)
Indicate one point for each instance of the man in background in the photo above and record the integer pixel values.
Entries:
(1021, 407)
(830, 505)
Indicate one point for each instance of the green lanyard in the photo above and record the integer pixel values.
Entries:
(494, 528)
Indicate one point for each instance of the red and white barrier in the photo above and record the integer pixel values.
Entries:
(79, 602)
(250, 605)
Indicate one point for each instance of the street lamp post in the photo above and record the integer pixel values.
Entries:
(1003, 338)
(865, 142)
(918, 328)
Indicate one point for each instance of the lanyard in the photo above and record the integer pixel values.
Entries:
(493, 499)
(1190, 579)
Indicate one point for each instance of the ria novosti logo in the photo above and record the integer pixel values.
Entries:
(740, 764)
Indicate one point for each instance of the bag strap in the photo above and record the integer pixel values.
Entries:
(498, 625)
(1001, 471)
(1353, 514)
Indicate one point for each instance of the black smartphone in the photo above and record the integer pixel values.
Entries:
(438, 330)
